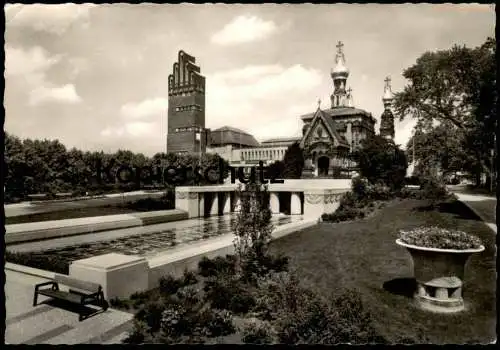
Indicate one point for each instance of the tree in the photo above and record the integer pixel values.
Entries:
(456, 87)
(439, 147)
(380, 160)
(14, 168)
(276, 170)
(293, 161)
(253, 230)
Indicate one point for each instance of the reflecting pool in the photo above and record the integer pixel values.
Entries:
(144, 241)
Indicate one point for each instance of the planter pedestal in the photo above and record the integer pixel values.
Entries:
(439, 274)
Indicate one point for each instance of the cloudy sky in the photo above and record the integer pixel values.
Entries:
(95, 76)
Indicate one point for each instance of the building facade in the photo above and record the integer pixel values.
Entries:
(186, 107)
(329, 136)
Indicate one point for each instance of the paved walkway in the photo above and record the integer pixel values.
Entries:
(46, 324)
(483, 206)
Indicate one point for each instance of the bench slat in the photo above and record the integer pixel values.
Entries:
(74, 298)
(78, 284)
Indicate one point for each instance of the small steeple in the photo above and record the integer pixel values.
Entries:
(339, 76)
(388, 96)
(340, 70)
(350, 100)
(387, 118)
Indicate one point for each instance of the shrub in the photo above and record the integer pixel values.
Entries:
(407, 193)
(256, 331)
(359, 187)
(301, 316)
(189, 278)
(349, 322)
(228, 294)
(151, 314)
(141, 333)
(220, 265)
(140, 298)
(434, 189)
(379, 192)
(169, 285)
(276, 263)
(412, 180)
(119, 303)
(436, 237)
(217, 323)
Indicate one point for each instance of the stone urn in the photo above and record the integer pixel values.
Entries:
(439, 274)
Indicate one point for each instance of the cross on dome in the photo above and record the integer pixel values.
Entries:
(319, 103)
(339, 46)
(388, 82)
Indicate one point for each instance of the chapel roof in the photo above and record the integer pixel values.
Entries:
(339, 112)
(332, 125)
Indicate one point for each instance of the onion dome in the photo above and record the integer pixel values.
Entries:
(388, 96)
(340, 70)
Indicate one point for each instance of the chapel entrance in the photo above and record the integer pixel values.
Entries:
(323, 165)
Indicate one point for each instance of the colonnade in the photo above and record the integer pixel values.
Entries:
(220, 203)
(295, 199)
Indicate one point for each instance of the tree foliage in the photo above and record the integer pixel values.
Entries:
(457, 89)
(276, 170)
(46, 166)
(380, 160)
(440, 148)
(293, 162)
(253, 229)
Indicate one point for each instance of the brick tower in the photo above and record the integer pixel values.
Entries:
(186, 107)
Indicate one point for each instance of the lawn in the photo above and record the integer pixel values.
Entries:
(486, 208)
(363, 255)
(90, 208)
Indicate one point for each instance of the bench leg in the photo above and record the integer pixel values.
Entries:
(35, 298)
(102, 302)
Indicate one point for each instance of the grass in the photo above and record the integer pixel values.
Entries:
(486, 208)
(363, 255)
(90, 208)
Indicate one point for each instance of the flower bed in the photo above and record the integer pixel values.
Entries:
(440, 238)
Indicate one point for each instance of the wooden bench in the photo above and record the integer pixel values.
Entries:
(80, 292)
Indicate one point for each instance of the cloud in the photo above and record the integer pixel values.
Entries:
(261, 98)
(243, 29)
(54, 19)
(147, 108)
(135, 129)
(64, 94)
(31, 66)
(21, 62)
(262, 82)
(288, 127)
